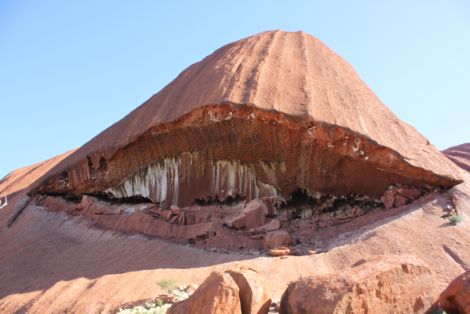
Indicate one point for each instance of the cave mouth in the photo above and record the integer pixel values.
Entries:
(300, 198)
(204, 224)
(228, 200)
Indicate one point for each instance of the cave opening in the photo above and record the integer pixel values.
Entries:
(300, 199)
(215, 200)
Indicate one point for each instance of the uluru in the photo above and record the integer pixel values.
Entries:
(221, 129)
(265, 178)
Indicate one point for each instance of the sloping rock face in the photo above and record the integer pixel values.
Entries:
(456, 298)
(392, 285)
(26, 178)
(263, 116)
(460, 155)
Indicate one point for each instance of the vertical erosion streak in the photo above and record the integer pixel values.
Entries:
(305, 86)
(162, 182)
(254, 76)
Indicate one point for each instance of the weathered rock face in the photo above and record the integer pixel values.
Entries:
(260, 117)
(392, 285)
(276, 239)
(252, 216)
(460, 155)
(254, 295)
(235, 291)
(456, 298)
(218, 294)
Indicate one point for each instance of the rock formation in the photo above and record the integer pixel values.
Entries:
(456, 298)
(218, 294)
(240, 291)
(271, 143)
(264, 116)
(460, 155)
(390, 285)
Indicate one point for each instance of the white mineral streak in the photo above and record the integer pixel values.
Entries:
(152, 182)
(163, 181)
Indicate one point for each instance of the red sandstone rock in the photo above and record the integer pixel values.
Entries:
(166, 214)
(391, 285)
(218, 294)
(175, 210)
(37, 235)
(388, 199)
(276, 239)
(252, 216)
(396, 197)
(241, 291)
(273, 224)
(456, 297)
(410, 194)
(400, 200)
(254, 296)
(235, 113)
(279, 251)
(460, 155)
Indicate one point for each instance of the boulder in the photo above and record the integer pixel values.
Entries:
(400, 200)
(276, 239)
(456, 297)
(272, 225)
(392, 285)
(388, 199)
(235, 291)
(254, 296)
(396, 197)
(409, 193)
(218, 294)
(279, 251)
(253, 215)
(175, 210)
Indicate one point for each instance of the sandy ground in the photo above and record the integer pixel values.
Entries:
(53, 263)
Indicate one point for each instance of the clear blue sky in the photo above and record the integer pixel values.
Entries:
(69, 69)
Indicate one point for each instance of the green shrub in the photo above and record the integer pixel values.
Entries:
(455, 219)
(167, 284)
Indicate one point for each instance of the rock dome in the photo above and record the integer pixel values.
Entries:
(267, 115)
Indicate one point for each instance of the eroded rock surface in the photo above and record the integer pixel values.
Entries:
(456, 298)
(252, 216)
(261, 117)
(234, 291)
(58, 263)
(254, 226)
(254, 294)
(400, 284)
(218, 294)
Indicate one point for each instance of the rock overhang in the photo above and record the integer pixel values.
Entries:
(228, 151)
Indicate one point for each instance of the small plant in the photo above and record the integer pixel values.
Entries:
(159, 302)
(163, 302)
(167, 284)
(455, 219)
(146, 309)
